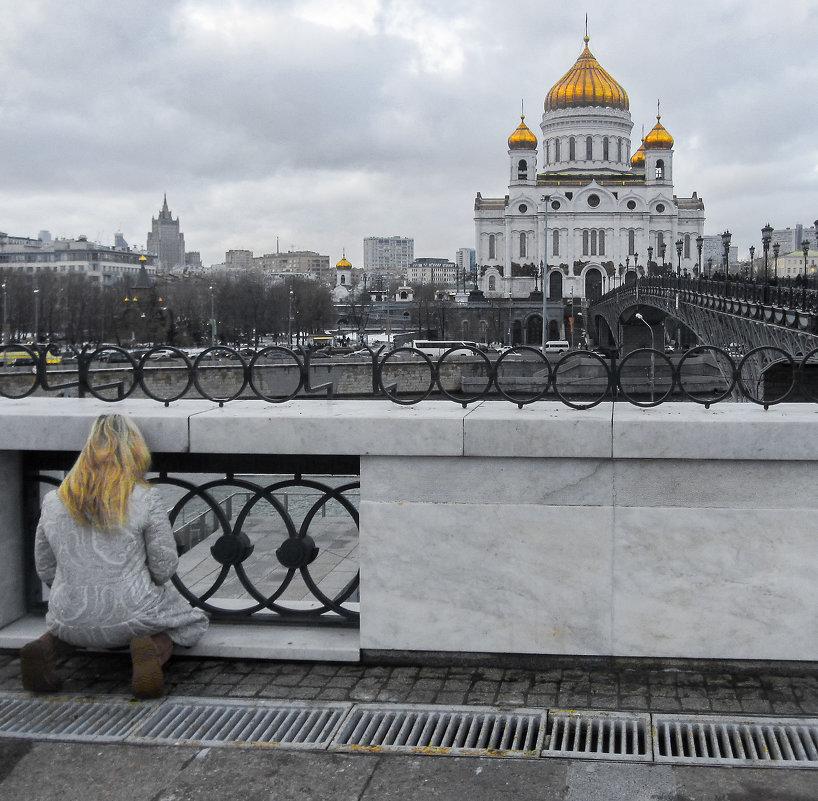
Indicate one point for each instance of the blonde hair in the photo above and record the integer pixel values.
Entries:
(98, 487)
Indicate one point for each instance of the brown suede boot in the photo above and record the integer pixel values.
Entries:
(38, 663)
(148, 654)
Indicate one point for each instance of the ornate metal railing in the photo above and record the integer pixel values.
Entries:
(580, 379)
(257, 548)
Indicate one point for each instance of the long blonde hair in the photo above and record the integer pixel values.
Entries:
(98, 487)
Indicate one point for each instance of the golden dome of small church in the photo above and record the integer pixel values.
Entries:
(581, 207)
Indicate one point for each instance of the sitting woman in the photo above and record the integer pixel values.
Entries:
(105, 547)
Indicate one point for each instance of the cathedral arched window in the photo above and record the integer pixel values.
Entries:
(605, 149)
(687, 246)
(660, 169)
(602, 243)
(343, 280)
(555, 243)
(631, 242)
(492, 246)
(619, 150)
(522, 170)
(556, 150)
(572, 149)
(593, 243)
(660, 241)
(555, 285)
(492, 283)
(523, 244)
(589, 148)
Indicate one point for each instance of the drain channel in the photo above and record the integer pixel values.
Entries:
(599, 735)
(435, 730)
(769, 742)
(69, 718)
(294, 724)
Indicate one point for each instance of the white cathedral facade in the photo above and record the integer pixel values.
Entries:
(594, 215)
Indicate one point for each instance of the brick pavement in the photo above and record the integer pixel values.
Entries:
(781, 689)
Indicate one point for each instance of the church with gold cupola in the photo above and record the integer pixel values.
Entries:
(595, 213)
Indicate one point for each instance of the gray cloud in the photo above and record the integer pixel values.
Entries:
(321, 122)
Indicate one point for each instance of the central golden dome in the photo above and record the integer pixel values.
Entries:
(586, 84)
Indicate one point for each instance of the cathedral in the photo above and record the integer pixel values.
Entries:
(596, 214)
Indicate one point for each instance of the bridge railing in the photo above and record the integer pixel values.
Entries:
(786, 293)
(522, 375)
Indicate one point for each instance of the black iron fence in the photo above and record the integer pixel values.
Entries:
(262, 548)
(580, 379)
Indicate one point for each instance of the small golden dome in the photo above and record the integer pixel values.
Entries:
(658, 138)
(638, 158)
(522, 138)
(343, 264)
(586, 84)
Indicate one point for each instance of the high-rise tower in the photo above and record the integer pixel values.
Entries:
(165, 240)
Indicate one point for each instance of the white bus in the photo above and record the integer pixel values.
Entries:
(435, 348)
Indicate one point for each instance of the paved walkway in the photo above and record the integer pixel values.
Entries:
(782, 689)
(65, 771)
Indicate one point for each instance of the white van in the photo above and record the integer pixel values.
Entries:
(556, 346)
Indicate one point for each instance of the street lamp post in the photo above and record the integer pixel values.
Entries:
(725, 241)
(212, 318)
(776, 248)
(805, 249)
(766, 237)
(699, 245)
(5, 316)
(752, 263)
(639, 317)
(662, 252)
(36, 314)
(650, 257)
(679, 245)
(290, 321)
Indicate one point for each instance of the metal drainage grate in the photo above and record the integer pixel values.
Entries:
(69, 718)
(435, 730)
(598, 735)
(787, 742)
(203, 721)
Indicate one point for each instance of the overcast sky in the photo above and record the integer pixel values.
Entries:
(321, 122)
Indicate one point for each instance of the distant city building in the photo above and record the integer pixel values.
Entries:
(63, 257)
(388, 255)
(301, 263)
(791, 265)
(441, 272)
(466, 260)
(193, 259)
(166, 240)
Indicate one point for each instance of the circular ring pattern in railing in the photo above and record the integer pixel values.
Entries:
(712, 381)
(165, 374)
(18, 371)
(522, 375)
(276, 374)
(111, 373)
(646, 372)
(481, 383)
(810, 360)
(217, 369)
(402, 376)
(582, 379)
(761, 370)
(227, 552)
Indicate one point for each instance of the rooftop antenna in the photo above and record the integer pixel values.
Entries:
(586, 27)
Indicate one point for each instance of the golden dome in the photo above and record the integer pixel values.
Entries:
(586, 84)
(343, 264)
(658, 138)
(522, 138)
(638, 158)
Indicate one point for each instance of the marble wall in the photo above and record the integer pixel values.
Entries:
(677, 531)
